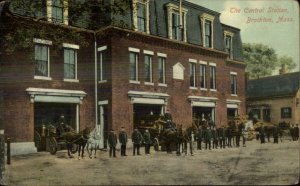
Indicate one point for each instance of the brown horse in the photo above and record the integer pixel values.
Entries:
(80, 139)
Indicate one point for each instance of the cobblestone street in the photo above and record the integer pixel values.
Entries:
(255, 164)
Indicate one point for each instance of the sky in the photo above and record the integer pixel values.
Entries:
(281, 31)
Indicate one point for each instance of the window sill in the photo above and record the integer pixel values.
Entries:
(193, 88)
(149, 83)
(43, 78)
(134, 82)
(71, 80)
(103, 81)
(234, 95)
(162, 85)
(213, 90)
(203, 89)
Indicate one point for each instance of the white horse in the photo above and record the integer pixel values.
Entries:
(93, 142)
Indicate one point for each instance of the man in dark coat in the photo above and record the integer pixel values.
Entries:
(262, 133)
(137, 140)
(292, 132)
(275, 134)
(238, 134)
(229, 136)
(207, 138)
(112, 143)
(123, 141)
(296, 132)
(222, 136)
(199, 138)
(147, 141)
(187, 136)
(214, 137)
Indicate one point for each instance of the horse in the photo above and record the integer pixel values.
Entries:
(93, 142)
(80, 139)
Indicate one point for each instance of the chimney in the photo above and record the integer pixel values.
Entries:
(283, 69)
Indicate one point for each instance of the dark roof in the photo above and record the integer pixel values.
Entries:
(274, 86)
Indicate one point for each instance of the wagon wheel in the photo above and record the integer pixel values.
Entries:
(37, 140)
(52, 145)
(156, 144)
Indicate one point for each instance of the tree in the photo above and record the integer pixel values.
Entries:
(287, 61)
(261, 60)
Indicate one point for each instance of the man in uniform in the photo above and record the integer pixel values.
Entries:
(137, 140)
(207, 138)
(292, 132)
(262, 133)
(147, 141)
(123, 141)
(238, 135)
(229, 136)
(112, 142)
(275, 134)
(199, 138)
(215, 137)
(187, 140)
(222, 136)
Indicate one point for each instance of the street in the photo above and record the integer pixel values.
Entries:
(255, 164)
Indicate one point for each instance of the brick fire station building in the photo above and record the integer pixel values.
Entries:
(113, 76)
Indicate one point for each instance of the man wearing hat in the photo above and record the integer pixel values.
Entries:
(123, 141)
(137, 140)
(112, 142)
(296, 132)
(147, 141)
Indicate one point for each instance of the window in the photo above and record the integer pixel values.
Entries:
(41, 58)
(286, 112)
(176, 30)
(228, 45)
(266, 114)
(233, 84)
(256, 113)
(133, 66)
(102, 67)
(192, 74)
(161, 70)
(213, 78)
(141, 15)
(207, 29)
(148, 68)
(70, 63)
(202, 76)
(57, 11)
(232, 112)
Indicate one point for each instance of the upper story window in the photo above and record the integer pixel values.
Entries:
(102, 64)
(162, 69)
(207, 30)
(203, 75)
(233, 83)
(70, 61)
(192, 65)
(133, 65)
(42, 59)
(212, 74)
(286, 112)
(176, 26)
(57, 11)
(228, 43)
(141, 15)
(148, 68)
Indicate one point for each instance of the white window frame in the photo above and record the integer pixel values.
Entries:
(135, 18)
(164, 56)
(203, 18)
(101, 50)
(150, 54)
(172, 8)
(136, 51)
(65, 11)
(194, 63)
(229, 34)
(235, 85)
(203, 63)
(76, 48)
(214, 77)
(48, 44)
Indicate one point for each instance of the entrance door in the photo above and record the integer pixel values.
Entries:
(207, 112)
(146, 114)
(103, 120)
